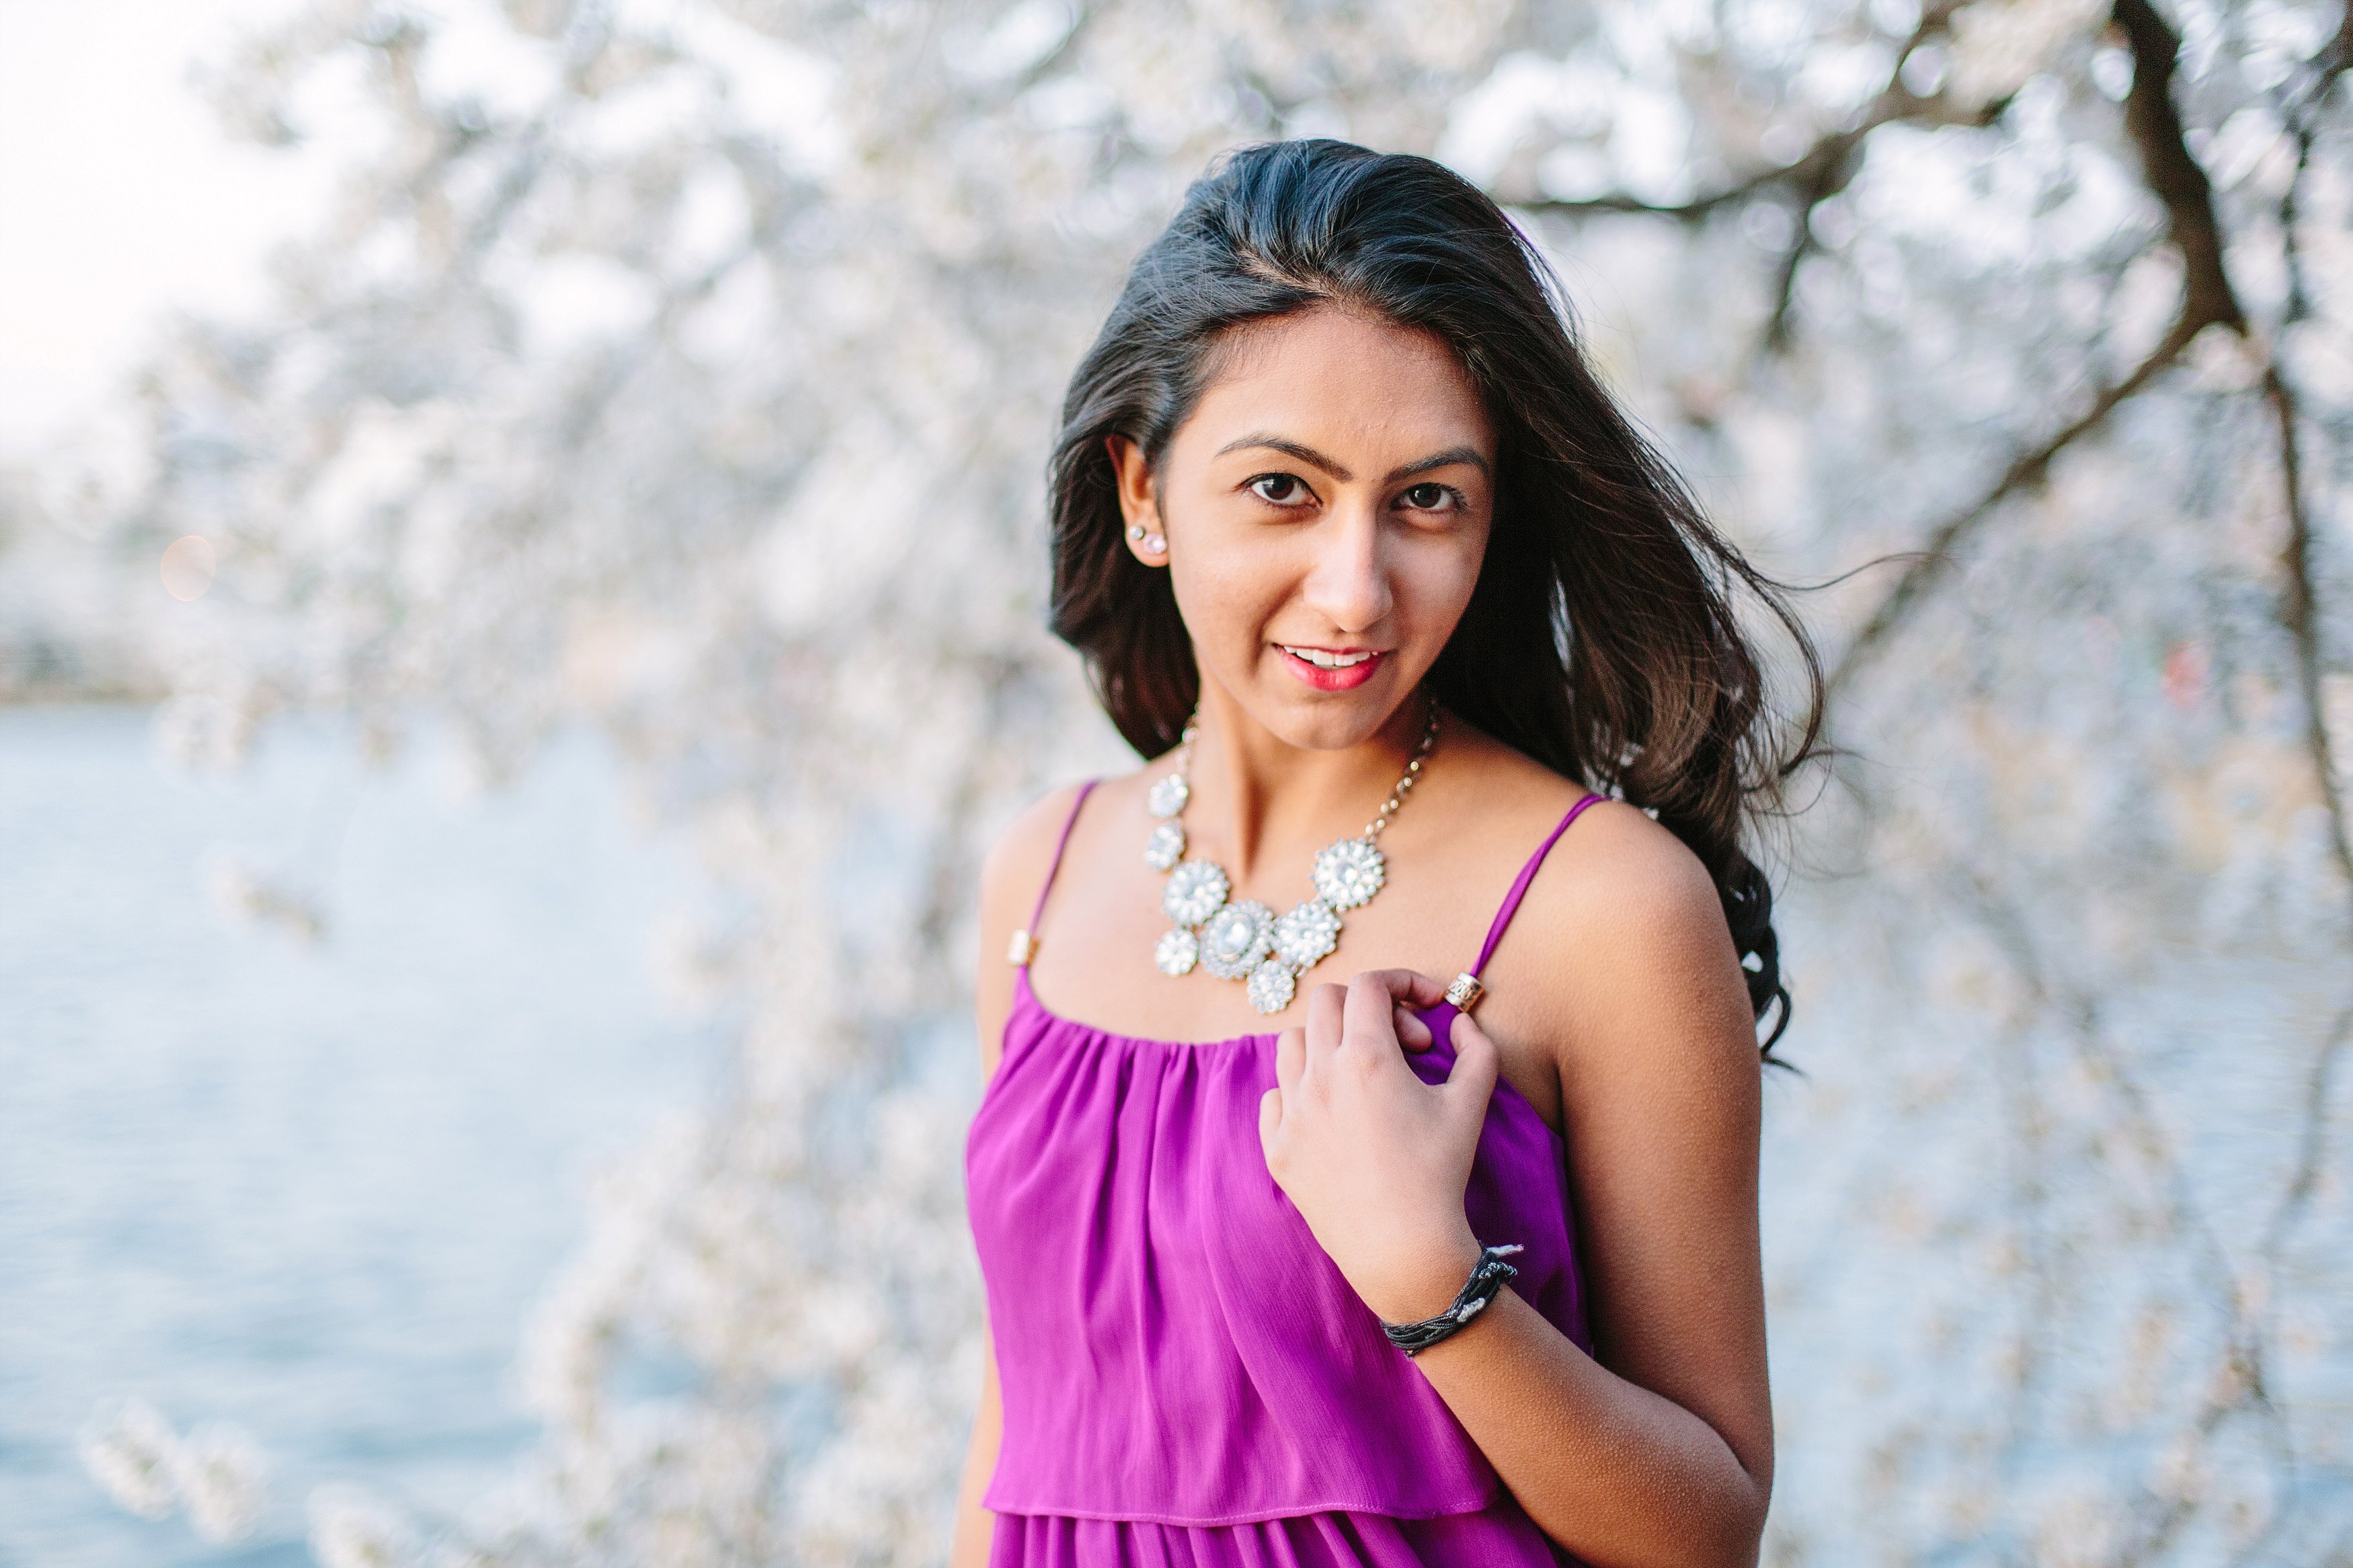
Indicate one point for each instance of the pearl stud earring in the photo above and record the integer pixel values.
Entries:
(1135, 531)
(1155, 545)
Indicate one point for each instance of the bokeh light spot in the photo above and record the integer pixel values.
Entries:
(188, 567)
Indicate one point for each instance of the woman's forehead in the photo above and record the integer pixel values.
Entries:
(1337, 375)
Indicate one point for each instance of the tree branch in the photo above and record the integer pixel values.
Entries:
(1824, 170)
(2240, 1383)
(1824, 167)
(2299, 609)
(2312, 1139)
(1929, 562)
(2298, 612)
(1817, 168)
(2172, 173)
(2175, 177)
(1824, 181)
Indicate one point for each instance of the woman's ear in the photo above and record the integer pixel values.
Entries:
(1139, 508)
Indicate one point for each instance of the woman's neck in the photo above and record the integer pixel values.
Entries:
(1253, 789)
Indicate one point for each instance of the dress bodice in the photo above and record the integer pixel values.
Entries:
(1172, 1344)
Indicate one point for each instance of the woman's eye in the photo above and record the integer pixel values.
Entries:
(1281, 489)
(1426, 497)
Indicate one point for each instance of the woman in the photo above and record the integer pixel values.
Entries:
(1287, 1271)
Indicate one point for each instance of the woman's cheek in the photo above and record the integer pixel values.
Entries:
(1432, 595)
(1228, 605)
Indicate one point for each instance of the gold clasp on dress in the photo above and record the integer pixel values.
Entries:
(1024, 949)
(1465, 992)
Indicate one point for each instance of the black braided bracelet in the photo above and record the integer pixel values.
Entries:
(1487, 1277)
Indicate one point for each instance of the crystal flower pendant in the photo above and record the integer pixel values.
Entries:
(1247, 941)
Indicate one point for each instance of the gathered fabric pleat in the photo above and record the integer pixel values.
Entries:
(1176, 1354)
(1494, 1536)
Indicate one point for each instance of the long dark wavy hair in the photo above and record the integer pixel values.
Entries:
(1602, 638)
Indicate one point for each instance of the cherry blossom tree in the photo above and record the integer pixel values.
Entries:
(688, 368)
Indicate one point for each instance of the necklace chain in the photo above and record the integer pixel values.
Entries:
(1247, 941)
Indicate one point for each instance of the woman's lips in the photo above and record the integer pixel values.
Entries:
(1343, 669)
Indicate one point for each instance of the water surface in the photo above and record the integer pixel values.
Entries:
(308, 1187)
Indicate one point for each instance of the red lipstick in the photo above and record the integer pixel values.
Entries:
(1360, 664)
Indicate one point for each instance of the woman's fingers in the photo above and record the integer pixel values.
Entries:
(1472, 1081)
(1269, 1119)
(1410, 987)
(1370, 1021)
(1379, 1003)
(1290, 1056)
(1327, 1015)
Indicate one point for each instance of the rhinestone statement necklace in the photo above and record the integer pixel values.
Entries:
(1246, 941)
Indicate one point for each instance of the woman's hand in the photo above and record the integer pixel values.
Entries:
(1375, 1159)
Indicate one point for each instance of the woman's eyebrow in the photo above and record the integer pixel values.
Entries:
(1274, 443)
(1310, 455)
(1446, 460)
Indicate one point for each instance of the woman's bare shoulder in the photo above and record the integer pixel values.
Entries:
(1017, 863)
(1012, 875)
(1634, 971)
(1018, 857)
(1626, 870)
(1619, 956)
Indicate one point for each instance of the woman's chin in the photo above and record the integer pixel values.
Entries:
(1327, 720)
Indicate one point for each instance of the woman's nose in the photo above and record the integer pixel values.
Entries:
(1348, 583)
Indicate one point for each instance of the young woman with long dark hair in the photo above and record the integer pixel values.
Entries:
(1290, 1260)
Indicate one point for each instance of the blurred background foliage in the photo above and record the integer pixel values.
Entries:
(687, 367)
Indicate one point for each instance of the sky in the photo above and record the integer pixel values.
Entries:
(121, 197)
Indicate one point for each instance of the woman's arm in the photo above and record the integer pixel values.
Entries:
(1659, 1452)
(1010, 880)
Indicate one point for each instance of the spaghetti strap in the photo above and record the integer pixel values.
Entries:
(1056, 864)
(1520, 888)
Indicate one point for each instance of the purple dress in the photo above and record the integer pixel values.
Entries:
(1188, 1382)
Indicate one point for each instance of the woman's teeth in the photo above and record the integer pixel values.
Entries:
(1323, 661)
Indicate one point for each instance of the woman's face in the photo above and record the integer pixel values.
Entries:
(1324, 511)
